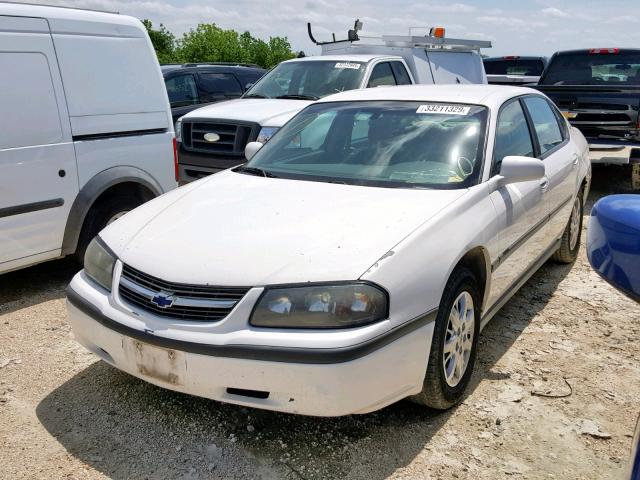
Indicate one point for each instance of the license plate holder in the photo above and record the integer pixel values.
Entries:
(164, 364)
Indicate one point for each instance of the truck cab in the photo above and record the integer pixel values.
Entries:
(213, 138)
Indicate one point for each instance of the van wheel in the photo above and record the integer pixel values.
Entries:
(99, 217)
(454, 344)
(635, 176)
(570, 242)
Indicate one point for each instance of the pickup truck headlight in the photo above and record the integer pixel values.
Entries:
(99, 262)
(266, 133)
(321, 306)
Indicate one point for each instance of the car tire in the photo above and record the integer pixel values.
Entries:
(443, 387)
(101, 216)
(570, 242)
(635, 177)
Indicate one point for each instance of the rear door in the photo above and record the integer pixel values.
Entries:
(38, 174)
(561, 159)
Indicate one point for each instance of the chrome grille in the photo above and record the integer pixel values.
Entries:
(233, 137)
(177, 300)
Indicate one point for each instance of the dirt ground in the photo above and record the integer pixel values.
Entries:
(555, 394)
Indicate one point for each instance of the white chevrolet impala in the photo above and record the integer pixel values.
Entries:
(352, 262)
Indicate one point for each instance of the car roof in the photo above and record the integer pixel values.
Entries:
(236, 68)
(588, 50)
(492, 96)
(75, 20)
(360, 57)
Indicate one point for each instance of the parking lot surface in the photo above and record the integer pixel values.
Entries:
(555, 394)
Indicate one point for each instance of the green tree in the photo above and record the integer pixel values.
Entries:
(164, 42)
(210, 43)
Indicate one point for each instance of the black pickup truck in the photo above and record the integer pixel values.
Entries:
(598, 91)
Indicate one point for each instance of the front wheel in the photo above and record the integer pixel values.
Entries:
(101, 216)
(454, 343)
(570, 242)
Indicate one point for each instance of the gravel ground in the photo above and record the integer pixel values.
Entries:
(555, 394)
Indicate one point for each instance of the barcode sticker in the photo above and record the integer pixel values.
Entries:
(444, 109)
(353, 66)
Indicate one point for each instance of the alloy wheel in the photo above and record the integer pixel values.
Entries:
(458, 339)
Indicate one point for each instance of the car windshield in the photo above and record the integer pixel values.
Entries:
(594, 69)
(308, 79)
(379, 143)
(514, 67)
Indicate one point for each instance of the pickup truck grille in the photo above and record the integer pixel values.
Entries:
(233, 137)
(177, 300)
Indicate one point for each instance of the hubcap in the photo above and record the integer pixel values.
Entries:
(116, 217)
(458, 339)
(574, 224)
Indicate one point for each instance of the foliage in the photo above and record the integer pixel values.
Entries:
(164, 42)
(210, 43)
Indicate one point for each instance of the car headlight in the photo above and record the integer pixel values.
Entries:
(178, 129)
(99, 262)
(266, 133)
(321, 306)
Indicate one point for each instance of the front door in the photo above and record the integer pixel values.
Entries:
(38, 177)
(521, 209)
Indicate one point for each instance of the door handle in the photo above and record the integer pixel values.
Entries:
(544, 184)
(575, 158)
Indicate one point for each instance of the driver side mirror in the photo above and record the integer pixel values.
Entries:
(515, 169)
(251, 149)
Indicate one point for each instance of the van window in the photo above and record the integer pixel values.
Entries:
(545, 123)
(402, 77)
(512, 135)
(381, 75)
(28, 106)
(182, 90)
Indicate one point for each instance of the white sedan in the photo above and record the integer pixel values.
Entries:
(352, 262)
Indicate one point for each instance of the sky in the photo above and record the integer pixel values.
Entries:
(515, 27)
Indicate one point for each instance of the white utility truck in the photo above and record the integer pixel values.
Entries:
(213, 138)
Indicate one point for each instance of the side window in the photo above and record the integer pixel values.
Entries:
(381, 75)
(313, 135)
(220, 85)
(512, 135)
(26, 122)
(545, 123)
(360, 130)
(400, 72)
(182, 90)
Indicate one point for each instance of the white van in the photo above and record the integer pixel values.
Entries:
(85, 128)
(213, 138)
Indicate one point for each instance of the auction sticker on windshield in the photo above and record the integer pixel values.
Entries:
(354, 66)
(444, 109)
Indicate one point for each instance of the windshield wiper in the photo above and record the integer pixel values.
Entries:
(298, 97)
(255, 95)
(254, 171)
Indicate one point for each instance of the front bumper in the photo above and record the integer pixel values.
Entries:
(358, 378)
(612, 152)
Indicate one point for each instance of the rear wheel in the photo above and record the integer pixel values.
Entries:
(99, 217)
(570, 242)
(455, 340)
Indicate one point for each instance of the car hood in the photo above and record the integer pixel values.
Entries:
(268, 112)
(235, 229)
